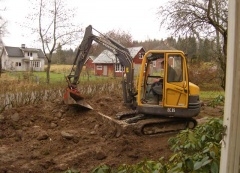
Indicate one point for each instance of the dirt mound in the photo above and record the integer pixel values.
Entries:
(52, 137)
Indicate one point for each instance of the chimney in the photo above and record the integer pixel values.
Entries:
(23, 46)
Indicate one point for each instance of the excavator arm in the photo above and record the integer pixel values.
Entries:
(121, 53)
(81, 57)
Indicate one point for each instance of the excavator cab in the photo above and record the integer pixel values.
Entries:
(164, 88)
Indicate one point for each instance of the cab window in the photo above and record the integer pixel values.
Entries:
(175, 68)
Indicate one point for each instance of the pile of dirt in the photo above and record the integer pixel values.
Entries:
(52, 137)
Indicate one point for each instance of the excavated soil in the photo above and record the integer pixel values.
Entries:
(52, 137)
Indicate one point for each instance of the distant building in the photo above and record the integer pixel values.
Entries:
(22, 59)
(106, 64)
(162, 46)
(89, 63)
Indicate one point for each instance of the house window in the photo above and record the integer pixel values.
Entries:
(154, 63)
(29, 53)
(119, 68)
(18, 64)
(35, 64)
(140, 55)
(99, 67)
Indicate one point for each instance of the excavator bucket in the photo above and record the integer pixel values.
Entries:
(74, 98)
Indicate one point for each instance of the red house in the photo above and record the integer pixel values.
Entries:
(162, 46)
(107, 64)
(89, 63)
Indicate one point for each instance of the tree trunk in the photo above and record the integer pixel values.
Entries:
(1, 63)
(224, 59)
(48, 71)
(0, 66)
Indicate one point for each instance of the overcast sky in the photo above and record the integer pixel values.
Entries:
(138, 17)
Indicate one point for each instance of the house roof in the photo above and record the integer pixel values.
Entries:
(108, 57)
(89, 57)
(18, 52)
(14, 51)
(134, 50)
(40, 53)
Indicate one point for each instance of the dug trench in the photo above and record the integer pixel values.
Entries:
(53, 137)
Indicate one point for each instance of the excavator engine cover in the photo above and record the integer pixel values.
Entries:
(73, 97)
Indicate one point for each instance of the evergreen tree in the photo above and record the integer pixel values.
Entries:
(61, 59)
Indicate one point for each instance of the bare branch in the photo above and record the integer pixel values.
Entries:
(54, 27)
(202, 18)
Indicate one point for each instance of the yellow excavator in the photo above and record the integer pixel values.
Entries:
(164, 99)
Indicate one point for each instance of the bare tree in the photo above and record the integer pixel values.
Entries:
(1, 54)
(2, 31)
(122, 37)
(3, 22)
(54, 27)
(2, 26)
(202, 18)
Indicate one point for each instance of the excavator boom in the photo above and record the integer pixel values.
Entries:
(72, 95)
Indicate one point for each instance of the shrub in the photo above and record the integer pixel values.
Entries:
(205, 75)
(196, 150)
(218, 101)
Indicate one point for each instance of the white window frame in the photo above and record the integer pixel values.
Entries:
(119, 68)
(30, 53)
(140, 55)
(99, 67)
(18, 64)
(34, 64)
(154, 63)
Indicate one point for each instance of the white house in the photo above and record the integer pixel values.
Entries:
(22, 59)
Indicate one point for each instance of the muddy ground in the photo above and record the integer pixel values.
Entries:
(52, 137)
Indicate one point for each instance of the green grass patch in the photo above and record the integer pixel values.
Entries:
(40, 77)
(209, 95)
(54, 77)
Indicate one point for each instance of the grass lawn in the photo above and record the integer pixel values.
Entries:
(41, 77)
(54, 77)
(209, 95)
